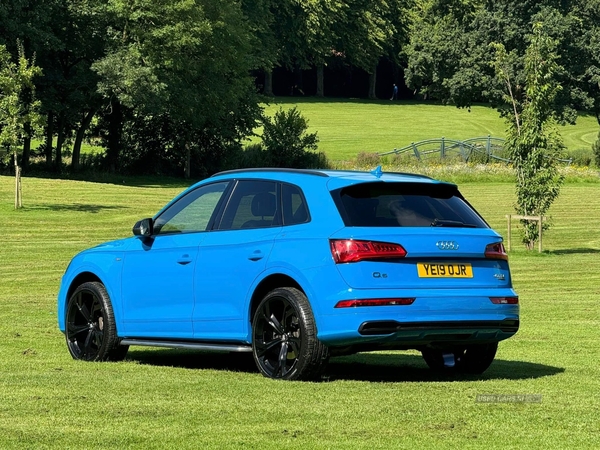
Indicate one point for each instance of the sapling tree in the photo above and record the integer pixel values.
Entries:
(18, 108)
(533, 141)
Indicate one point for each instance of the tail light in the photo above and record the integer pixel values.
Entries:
(374, 302)
(350, 250)
(504, 300)
(496, 251)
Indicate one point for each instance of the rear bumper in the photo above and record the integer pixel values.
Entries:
(382, 327)
(427, 322)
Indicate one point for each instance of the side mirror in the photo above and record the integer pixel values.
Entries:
(144, 228)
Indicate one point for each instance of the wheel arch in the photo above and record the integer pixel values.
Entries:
(68, 287)
(273, 281)
(81, 278)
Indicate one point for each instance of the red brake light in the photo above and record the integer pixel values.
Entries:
(350, 250)
(496, 251)
(374, 302)
(504, 300)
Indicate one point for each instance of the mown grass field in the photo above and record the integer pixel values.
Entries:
(348, 127)
(174, 399)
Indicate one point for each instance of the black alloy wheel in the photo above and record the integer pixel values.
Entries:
(284, 337)
(91, 332)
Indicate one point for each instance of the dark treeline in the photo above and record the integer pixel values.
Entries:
(175, 86)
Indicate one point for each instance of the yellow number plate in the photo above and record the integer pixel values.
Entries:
(445, 270)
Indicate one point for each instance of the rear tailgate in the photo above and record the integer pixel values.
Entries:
(435, 258)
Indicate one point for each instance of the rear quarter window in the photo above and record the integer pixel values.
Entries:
(385, 204)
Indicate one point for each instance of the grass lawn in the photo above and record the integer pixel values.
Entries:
(160, 398)
(348, 127)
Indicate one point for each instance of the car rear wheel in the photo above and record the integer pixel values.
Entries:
(474, 359)
(284, 337)
(91, 332)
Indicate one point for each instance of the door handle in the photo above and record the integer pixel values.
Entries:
(256, 255)
(184, 260)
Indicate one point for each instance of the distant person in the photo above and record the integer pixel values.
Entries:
(296, 90)
(394, 93)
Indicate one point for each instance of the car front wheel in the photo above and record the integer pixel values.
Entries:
(91, 332)
(284, 337)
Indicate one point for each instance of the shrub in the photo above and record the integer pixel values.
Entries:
(368, 160)
(596, 150)
(582, 157)
(286, 141)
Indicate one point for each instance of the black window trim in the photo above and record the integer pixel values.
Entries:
(223, 207)
(308, 218)
(337, 199)
(214, 215)
(215, 221)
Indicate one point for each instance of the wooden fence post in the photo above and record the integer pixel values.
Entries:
(538, 219)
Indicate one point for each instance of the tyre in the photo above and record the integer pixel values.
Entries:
(91, 332)
(476, 359)
(284, 337)
(473, 359)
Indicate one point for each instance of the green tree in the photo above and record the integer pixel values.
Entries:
(533, 141)
(186, 60)
(18, 107)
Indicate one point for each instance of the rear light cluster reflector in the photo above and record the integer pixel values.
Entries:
(350, 250)
(375, 302)
(496, 251)
(504, 300)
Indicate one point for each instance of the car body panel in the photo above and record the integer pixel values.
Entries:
(158, 286)
(201, 286)
(229, 263)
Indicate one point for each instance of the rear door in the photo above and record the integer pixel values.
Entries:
(232, 256)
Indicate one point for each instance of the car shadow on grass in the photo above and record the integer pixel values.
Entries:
(398, 367)
(372, 367)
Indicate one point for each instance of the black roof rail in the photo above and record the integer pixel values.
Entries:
(272, 169)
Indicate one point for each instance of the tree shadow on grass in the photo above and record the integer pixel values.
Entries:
(371, 367)
(120, 180)
(76, 207)
(575, 251)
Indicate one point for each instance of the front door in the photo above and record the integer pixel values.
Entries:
(158, 272)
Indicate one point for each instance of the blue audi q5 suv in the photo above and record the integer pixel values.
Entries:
(296, 266)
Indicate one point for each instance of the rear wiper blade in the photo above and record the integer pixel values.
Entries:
(451, 223)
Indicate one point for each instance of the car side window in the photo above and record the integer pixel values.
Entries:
(253, 204)
(191, 213)
(295, 210)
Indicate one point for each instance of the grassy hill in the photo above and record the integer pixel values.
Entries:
(347, 127)
(161, 398)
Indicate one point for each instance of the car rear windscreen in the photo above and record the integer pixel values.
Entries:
(385, 204)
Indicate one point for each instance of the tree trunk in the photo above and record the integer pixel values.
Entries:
(26, 146)
(372, 79)
(85, 123)
(268, 88)
(59, 142)
(18, 191)
(188, 159)
(49, 136)
(115, 127)
(320, 80)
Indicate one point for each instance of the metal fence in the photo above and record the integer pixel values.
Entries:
(478, 149)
